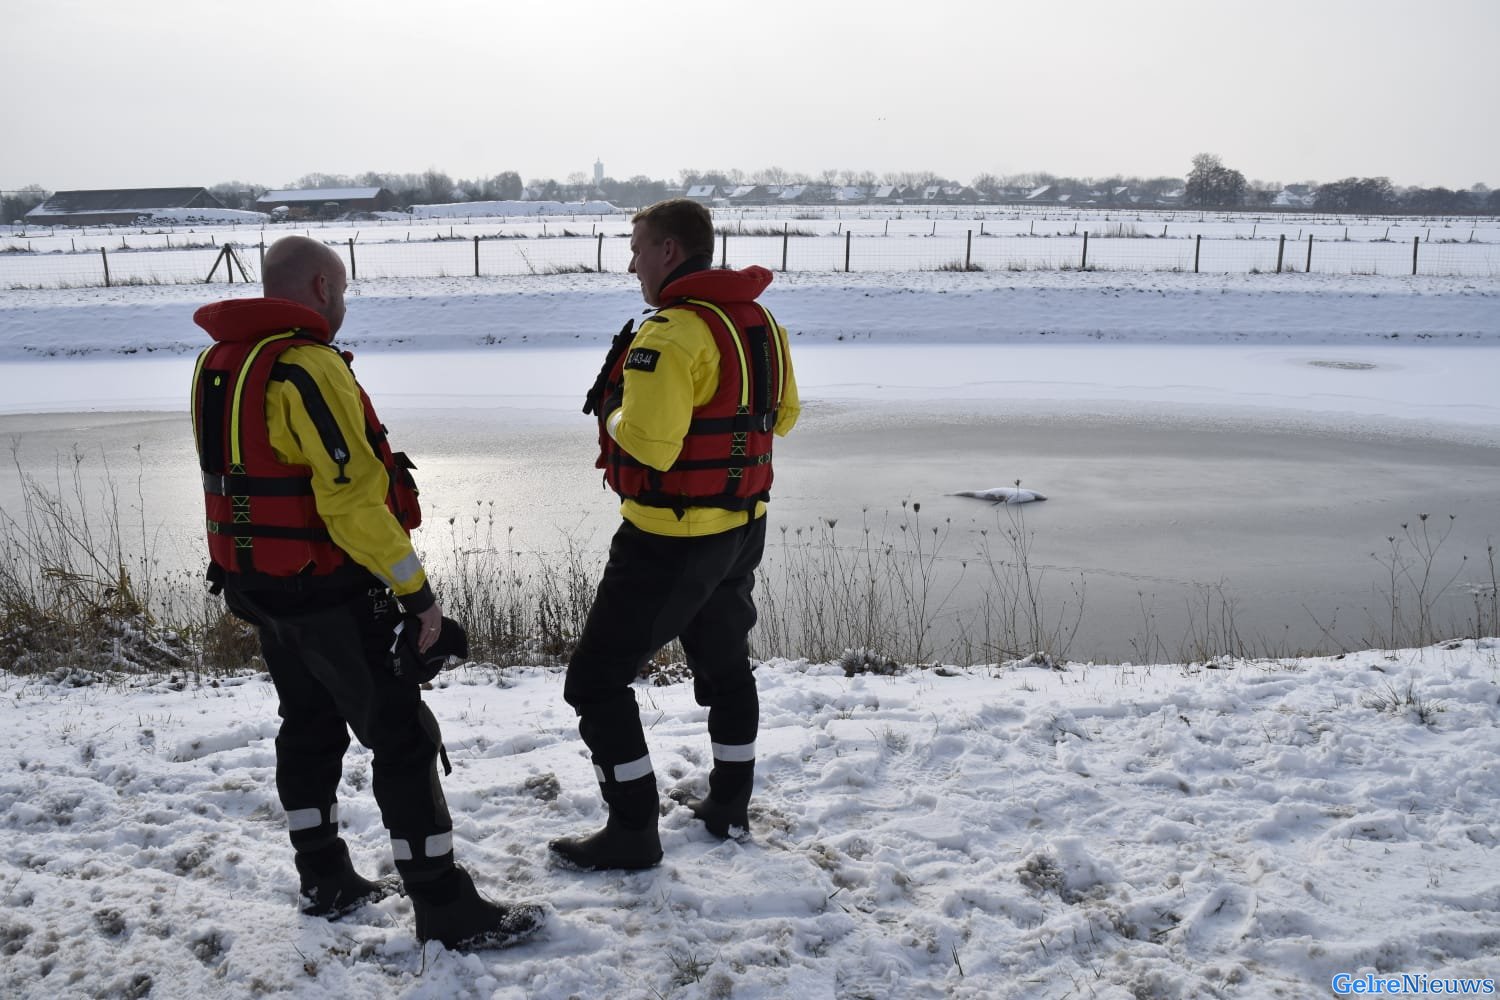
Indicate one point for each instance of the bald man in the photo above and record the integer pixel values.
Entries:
(309, 517)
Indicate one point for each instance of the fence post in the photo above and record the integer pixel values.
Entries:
(262, 256)
(1308, 268)
(476, 256)
(847, 237)
(1197, 250)
(785, 238)
(105, 254)
(353, 268)
(1280, 251)
(599, 256)
(1415, 240)
(969, 249)
(724, 249)
(1085, 265)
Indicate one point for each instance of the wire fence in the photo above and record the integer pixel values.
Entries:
(861, 245)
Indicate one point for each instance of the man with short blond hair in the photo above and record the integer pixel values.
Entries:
(688, 407)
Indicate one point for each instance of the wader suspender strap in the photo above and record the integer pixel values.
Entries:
(740, 435)
(240, 504)
(761, 343)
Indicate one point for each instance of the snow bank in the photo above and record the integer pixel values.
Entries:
(569, 309)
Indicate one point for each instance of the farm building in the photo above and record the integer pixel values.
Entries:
(327, 202)
(116, 207)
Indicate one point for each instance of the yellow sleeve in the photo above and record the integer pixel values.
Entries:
(316, 419)
(677, 370)
(791, 404)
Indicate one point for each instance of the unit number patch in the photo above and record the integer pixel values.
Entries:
(642, 359)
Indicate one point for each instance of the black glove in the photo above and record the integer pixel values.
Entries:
(418, 667)
(612, 402)
(621, 344)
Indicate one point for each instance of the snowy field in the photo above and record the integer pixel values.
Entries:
(1115, 831)
(453, 241)
(1108, 832)
(1039, 307)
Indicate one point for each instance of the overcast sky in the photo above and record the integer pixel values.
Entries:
(144, 93)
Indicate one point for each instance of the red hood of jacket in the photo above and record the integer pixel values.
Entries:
(239, 320)
(719, 286)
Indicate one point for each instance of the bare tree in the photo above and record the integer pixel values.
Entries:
(1213, 185)
(319, 181)
(15, 204)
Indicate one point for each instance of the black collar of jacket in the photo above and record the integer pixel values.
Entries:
(692, 265)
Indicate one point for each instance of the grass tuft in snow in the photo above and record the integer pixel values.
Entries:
(1405, 703)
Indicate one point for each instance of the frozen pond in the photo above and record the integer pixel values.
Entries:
(1261, 487)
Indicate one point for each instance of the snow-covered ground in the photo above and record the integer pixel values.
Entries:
(923, 308)
(1010, 831)
(1109, 832)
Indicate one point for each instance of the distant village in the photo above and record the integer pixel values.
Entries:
(333, 197)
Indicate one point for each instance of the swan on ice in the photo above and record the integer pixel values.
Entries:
(1002, 494)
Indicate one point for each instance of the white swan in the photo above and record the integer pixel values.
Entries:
(1002, 494)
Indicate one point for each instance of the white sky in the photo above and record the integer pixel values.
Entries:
(189, 92)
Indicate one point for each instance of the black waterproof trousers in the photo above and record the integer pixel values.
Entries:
(654, 589)
(328, 654)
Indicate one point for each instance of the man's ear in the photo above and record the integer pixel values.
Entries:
(320, 287)
(671, 251)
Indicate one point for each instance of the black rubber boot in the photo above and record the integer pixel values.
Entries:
(330, 885)
(450, 910)
(617, 847)
(724, 820)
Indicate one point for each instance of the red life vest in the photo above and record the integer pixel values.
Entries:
(262, 520)
(725, 460)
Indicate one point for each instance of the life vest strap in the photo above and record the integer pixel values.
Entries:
(257, 486)
(267, 531)
(762, 422)
(722, 501)
(348, 576)
(699, 464)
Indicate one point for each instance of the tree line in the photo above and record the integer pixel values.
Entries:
(1209, 184)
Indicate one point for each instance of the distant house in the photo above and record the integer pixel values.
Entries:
(701, 192)
(326, 202)
(1045, 193)
(1295, 196)
(794, 193)
(745, 194)
(116, 206)
(886, 194)
(851, 194)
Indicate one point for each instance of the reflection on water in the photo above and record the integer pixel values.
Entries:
(1166, 534)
